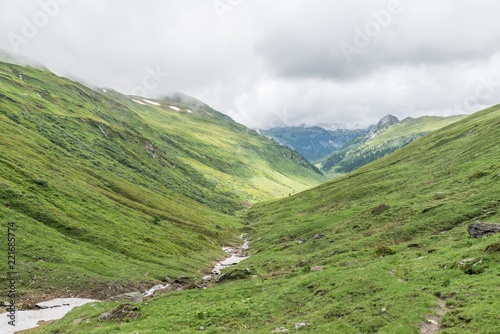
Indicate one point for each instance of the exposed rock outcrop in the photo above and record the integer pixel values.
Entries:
(135, 297)
(480, 229)
(122, 312)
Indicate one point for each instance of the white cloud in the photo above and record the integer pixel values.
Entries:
(280, 61)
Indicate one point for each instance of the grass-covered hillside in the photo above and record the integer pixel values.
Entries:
(379, 143)
(108, 191)
(384, 249)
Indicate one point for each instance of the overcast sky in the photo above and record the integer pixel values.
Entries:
(270, 62)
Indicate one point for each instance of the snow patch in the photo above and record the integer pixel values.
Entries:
(105, 91)
(151, 102)
(209, 114)
(138, 102)
(175, 108)
(51, 310)
(189, 111)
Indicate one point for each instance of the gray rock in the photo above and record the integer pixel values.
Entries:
(280, 330)
(318, 268)
(439, 195)
(300, 325)
(182, 280)
(480, 229)
(122, 312)
(465, 261)
(235, 275)
(319, 236)
(135, 297)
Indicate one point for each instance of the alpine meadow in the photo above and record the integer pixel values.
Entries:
(111, 195)
(259, 167)
(384, 249)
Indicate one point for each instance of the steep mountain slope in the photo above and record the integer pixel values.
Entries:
(109, 191)
(386, 137)
(313, 143)
(380, 250)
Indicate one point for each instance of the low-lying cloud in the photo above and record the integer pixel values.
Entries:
(269, 63)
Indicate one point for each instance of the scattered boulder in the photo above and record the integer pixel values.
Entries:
(439, 195)
(480, 229)
(301, 241)
(280, 330)
(465, 261)
(135, 297)
(300, 325)
(472, 266)
(181, 283)
(181, 280)
(120, 313)
(319, 236)
(235, 274)
(318, 268)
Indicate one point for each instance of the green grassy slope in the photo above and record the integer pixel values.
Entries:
(368, 149)
(394, 234)
(108, 192)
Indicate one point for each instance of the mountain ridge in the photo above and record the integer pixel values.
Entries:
(387, 136)
(112, 192)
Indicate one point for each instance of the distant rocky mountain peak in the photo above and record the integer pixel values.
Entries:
(383, 124)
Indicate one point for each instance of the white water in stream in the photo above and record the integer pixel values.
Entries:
(57, 308)
(237, 255)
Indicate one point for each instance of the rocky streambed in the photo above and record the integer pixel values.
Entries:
(46, 312)
(237, 254)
